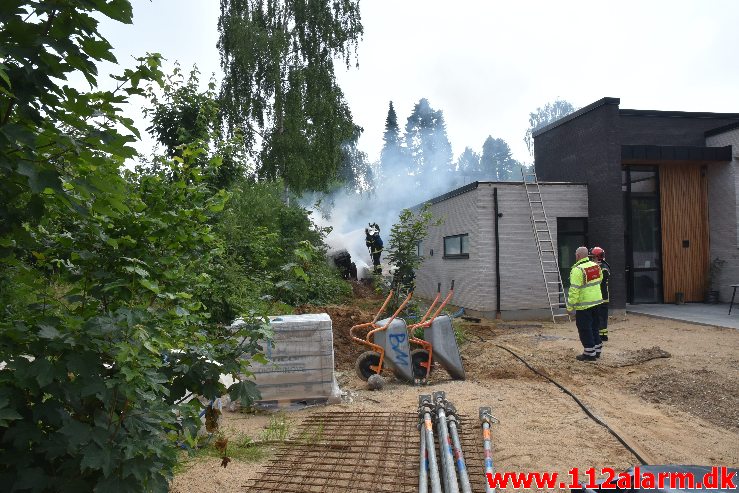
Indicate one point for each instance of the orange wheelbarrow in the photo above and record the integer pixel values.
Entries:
(421, 357)
(387, 341)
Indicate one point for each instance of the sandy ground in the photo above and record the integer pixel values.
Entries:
(681, 409)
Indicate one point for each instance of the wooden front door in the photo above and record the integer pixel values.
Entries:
(684, 212)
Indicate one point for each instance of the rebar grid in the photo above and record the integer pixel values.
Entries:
(368, 452)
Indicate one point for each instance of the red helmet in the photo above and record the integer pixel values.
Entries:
(598, 253)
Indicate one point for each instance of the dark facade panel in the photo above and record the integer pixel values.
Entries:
(660, 129)
(587, 149)
(632, 154)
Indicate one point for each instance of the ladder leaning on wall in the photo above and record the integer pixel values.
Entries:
(545, 246)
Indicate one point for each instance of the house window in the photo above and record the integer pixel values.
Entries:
(457, 246)
(419, 248)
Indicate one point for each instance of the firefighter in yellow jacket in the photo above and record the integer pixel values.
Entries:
(583, 297)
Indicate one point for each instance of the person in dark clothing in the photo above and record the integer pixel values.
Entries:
(598, 255)
(374, 244)
(343, 261)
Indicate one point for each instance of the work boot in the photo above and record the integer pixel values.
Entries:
(585, 357)
(598, 349)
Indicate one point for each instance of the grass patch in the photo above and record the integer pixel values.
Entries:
(240, 447)
(278, 428)
(459, 334)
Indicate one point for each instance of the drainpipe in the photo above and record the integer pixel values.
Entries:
(498, 215)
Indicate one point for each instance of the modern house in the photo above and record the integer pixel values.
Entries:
(496, 266)
(663, 190)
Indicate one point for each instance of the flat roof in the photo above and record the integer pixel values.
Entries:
(472, 186)
(640, 113)
(676, 114)
(572, 116)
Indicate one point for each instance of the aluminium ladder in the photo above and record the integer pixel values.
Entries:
(545, 246)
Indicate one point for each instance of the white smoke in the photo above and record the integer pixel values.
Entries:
(349, 212)
(405, 178)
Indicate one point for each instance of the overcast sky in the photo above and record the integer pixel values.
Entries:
(487, 64)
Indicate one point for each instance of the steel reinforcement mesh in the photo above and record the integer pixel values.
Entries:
(360, 452)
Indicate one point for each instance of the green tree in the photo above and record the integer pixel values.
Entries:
(185, 115)
(355, 172)
(392, 156)
(103, 330)
(279, 87)
(496, 161)
(405, 235)
(543, 116)
(468, 166)
(428, 144)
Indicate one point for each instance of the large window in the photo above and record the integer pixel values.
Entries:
(642, 236)
(457, 246)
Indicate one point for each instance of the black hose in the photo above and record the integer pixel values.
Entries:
(580, 403)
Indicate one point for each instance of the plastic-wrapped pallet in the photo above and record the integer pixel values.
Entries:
(300, 368)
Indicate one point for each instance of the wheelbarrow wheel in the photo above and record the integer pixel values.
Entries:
(419, 356)
(365, 360)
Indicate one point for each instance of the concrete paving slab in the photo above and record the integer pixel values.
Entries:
(697, 313)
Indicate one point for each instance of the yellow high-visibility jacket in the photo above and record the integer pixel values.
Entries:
(585, 279)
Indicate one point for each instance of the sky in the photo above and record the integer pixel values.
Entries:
(487, 64)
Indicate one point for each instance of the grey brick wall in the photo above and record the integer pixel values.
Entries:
(473, 282)
(522, 285)
(723, 212)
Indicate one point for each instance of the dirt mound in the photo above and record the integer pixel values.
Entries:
(479, 332)
(640, 356)
(343, 318)
(703, 393)
(363, 290)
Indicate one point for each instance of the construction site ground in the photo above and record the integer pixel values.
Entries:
(670, 389)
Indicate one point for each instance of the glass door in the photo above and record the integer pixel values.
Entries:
(642, 238)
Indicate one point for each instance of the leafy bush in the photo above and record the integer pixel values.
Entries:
(104, 332)
(116, 284)
(278, 247)
(309, 279)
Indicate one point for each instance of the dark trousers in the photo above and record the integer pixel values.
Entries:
(376, 261)
(602, 314)
(588, 330)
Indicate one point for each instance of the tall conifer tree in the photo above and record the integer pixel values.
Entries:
(393, 162)
(428, 144)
